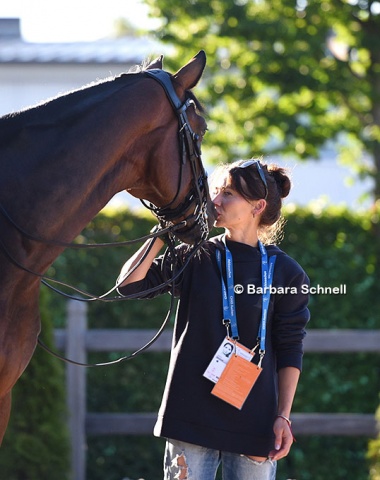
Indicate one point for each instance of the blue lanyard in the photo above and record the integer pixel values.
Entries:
(228, 293)
(266, 280)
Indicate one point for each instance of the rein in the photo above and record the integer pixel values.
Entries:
(45, 279)
(170, 281)
(159, 332)
(156, 232)
(121, 359)
(140, 350)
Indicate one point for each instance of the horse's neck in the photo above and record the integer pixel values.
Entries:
(70, 164)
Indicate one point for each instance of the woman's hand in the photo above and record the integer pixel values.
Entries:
(283, 441)
(287, 384)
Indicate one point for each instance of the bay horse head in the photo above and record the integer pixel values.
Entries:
(63, 160)
(190, 203)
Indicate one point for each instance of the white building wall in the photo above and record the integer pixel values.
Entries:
(24, 85)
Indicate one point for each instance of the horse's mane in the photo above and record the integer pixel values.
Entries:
(65, 106)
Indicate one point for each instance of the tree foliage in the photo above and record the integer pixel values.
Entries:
(284, 76)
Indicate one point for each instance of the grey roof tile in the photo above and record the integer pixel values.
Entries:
(120, 50)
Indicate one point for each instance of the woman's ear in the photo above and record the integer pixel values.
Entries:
(259, 207)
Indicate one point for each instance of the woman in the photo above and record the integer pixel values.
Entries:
(238, 291)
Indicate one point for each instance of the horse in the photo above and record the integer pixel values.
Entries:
(62, 161)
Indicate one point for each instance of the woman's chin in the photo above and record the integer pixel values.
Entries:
(218, 223)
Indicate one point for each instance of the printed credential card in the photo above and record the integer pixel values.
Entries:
(223, 355)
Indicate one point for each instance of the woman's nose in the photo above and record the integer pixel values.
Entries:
(216, 198)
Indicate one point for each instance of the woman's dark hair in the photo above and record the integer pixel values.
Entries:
(247, 181)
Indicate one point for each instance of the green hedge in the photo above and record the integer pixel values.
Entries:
(334, 246)
(374, 453)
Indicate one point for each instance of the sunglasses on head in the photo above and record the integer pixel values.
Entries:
(248, 163)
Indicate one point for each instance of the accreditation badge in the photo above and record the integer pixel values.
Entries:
(223, 355)
(236, 381)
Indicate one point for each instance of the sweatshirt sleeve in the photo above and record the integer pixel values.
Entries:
(291, 315)
(158, 278)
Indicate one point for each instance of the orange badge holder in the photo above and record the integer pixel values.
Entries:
(236, 381)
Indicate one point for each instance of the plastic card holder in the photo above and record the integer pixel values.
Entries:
(236, 381)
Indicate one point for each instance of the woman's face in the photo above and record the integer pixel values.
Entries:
(233, 210)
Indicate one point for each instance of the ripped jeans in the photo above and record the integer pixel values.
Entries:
(184, 461)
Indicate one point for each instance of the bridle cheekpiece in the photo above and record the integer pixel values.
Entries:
(189, 149)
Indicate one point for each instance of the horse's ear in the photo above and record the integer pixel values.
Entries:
(188, 76)
(157, 63)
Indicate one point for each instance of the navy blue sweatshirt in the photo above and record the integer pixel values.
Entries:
(189, 412)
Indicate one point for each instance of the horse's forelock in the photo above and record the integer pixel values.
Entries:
(140, 68)
(136, 69)
(198, 105)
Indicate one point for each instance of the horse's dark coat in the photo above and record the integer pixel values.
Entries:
(61, 162)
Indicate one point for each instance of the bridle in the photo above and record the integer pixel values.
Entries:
(166, 215)
(189, 149)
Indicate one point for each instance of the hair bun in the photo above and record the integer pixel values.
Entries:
(281, 178)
